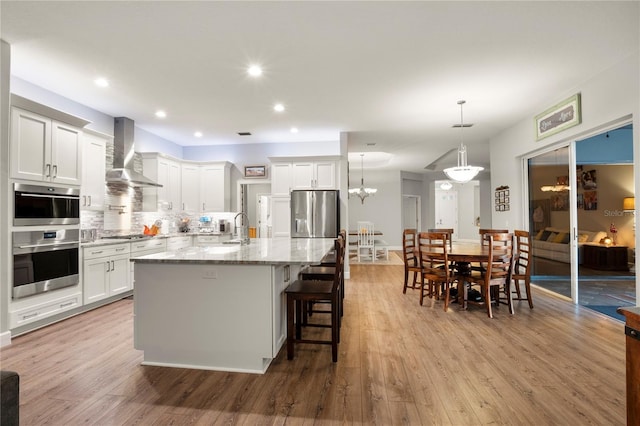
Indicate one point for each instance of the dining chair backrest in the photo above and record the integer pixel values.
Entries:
(365, 234)
(522, 264)
(483, 232)
(448, 231)
(434, 254)
(500, 265)
(409, 248)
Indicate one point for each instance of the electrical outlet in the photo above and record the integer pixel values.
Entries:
(210, 275)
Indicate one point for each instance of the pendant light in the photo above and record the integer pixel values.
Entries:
(560, 186)
(463, 173)
(362, 192)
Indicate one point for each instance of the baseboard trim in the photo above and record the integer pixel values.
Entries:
(5, 339)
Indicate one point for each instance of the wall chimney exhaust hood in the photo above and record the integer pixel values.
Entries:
(122, 172)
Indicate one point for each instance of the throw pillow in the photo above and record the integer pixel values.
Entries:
(545, 235)
(583, 238)
(559, 237)
(539, 234)
(566, 238)
(552, 237)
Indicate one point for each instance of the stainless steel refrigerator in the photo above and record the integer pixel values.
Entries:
(315, 214)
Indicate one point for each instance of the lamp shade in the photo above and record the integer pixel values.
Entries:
(462, 174)
(629, 203)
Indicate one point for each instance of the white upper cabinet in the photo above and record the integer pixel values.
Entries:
(314, 175)
(190, 187)
(167, 173)
(281, 179)
(43, 149)
(215, 187)
(93, 171)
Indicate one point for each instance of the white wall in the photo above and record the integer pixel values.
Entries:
(383, 209)
(5, 261)
(606, 98)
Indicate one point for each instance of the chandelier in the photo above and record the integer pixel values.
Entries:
(463, 173)
(362, 192)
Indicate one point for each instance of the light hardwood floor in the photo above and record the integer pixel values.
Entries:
(399, 363)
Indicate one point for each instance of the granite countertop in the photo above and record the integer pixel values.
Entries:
(261, 251)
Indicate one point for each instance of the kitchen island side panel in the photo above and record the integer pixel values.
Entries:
(213, 316)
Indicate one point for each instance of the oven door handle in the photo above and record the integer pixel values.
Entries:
(66, 197)
(68, 243)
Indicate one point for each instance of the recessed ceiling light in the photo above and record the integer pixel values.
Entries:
(254, 71)
(198, 134)
(101, 82)
(161, 114)
(294, 130)
(278, 107)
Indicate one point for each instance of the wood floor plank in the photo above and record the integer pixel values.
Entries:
(399, 363)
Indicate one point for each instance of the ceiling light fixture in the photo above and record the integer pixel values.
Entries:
(463, 173)
(198, 134)
(161, 114)
(254, 71)
(278, 107)
(446, 185)
(294, 130)
(560, 186)
(362, 192)
(101, 82)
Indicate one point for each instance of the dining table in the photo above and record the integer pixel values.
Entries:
(463, 254)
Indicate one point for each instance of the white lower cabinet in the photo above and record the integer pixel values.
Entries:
(106, 271)
(177, 243)
(282, 277)
(143, 248)
(44, 309)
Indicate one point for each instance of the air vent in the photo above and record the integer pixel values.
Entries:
(463, 125)
(244, 133)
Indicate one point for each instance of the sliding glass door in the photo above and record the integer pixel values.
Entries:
(581, 217)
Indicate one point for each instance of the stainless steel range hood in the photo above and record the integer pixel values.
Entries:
(122, 172)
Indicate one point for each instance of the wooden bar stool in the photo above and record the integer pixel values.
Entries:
(301, 292)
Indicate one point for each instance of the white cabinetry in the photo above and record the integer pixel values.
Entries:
(281, 216)
(106, 271)
(215, 187)
(43, 149)
(314, 175)
(143, 248)
(167, 173)
(190, 187)
(177, 243)
(44, 309)
(281, 278)
(93, 171)
(280, 179)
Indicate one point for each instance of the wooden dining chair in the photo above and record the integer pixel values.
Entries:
(300, 292)
(522, 266)
(483, 241)
(448, 231)
(366, 241)
(410, 258)
(495, 281)
(434, 265)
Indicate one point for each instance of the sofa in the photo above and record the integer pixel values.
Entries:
(10, 398)
(553, 243)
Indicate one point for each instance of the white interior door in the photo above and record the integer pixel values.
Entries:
(411, 212)
(264, 215)
(447, 210)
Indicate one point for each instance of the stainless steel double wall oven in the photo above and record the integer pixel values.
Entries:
(45, 259)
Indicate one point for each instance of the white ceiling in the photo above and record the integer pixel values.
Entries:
(389, 73)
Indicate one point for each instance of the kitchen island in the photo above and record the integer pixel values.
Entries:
(218, 307)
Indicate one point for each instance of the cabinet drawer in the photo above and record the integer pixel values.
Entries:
(176, 243)
(104, 251)
(145, 245)
(43, 310)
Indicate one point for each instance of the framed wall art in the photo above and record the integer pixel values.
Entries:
(255, 171)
